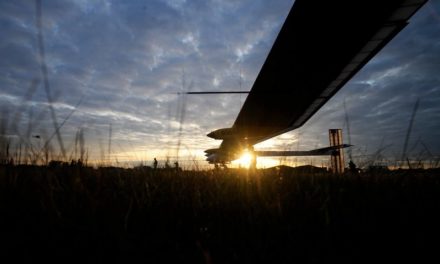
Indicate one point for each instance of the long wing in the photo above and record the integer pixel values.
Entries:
(315, 152)
(320, 47)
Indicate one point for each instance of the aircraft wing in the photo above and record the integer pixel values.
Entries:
(320, 47)
(315, 152)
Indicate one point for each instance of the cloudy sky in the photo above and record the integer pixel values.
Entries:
(115, 68)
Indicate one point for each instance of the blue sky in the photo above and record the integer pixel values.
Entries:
(122, 63)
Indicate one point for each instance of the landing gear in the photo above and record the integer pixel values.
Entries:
(217, 166)
(253, 163)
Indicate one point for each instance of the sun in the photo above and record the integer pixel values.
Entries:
(245, 160)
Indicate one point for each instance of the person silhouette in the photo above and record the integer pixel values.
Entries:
(155, 163)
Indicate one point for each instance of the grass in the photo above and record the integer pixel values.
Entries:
(77, 213)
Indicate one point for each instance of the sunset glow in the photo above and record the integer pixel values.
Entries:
(245, 160)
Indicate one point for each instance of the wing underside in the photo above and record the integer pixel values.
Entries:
(320, 47)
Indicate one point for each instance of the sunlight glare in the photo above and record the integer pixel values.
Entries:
(245, 160)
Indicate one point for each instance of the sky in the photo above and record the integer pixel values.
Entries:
(114, 71)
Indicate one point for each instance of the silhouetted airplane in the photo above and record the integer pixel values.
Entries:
(320, 47)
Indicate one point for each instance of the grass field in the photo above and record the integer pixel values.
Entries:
(82, 214)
